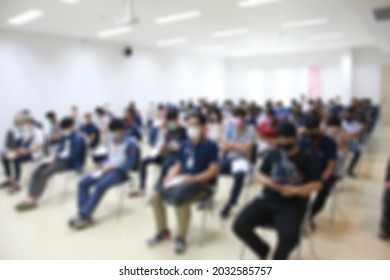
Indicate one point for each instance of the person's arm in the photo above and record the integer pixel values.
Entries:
(132, 156)
(267, 181)
(209, 174)
(332, 163)
(174, 171)
(240, 148)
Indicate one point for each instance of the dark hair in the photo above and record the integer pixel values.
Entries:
(100, 111)
(172, 115)
(66, 123)
(334, 120)
(286, 129)
(312, 122)
(116, 124)
(199, 116)
(51, 115)
(239, 112)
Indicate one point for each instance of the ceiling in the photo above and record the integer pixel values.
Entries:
(350, 24)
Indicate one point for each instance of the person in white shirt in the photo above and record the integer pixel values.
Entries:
(30, 148)
(354, 129)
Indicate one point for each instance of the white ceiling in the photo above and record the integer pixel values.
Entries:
(85, 19)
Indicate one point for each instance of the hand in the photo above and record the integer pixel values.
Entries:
(226, 145)
(289, 191)
(188, 178)
(21, 151)
(108, 169)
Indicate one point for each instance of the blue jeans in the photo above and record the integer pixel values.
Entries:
(226, 166)
(88, 201)
(16, 162)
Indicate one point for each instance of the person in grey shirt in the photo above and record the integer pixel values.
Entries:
(237, 149)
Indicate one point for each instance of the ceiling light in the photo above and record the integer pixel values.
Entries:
(113, 32)
(305, 23)
(178, 17)
(328, 36)
(172, 42)
(25, 17)
(211, 49)
(230, 33)
(70, 1)
(254, 3)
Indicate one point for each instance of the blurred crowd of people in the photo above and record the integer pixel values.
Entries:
(302, 150)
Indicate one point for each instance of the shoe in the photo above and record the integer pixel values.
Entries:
(159, 237)
(5, 184)
(25, 206)
(180, 245)
(352, 175)
(264, 256)
(14, 190)
(384, 236)
(225, 212)
(135, 194)
(81, 223)
(72, 221)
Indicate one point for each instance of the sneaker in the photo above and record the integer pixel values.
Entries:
(180, 245)
(80, 223)
(384, 236)
(15, 188)
(225, 212)
(352, 175)
(5, 184)
(159, 237)
(135, 194)
(25, 206)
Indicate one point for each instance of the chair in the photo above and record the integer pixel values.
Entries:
(207, 206)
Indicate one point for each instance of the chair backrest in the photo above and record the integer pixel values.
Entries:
(253, 156)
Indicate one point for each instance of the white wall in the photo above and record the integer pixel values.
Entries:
(44, 73)
(363, 74)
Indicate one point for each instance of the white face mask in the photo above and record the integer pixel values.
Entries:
(194, 133)
(67, 133)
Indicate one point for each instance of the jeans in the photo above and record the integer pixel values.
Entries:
(286, 219)
(354, 147)
(165, 162)
(87, 200)
(238, 177)
(16, 162)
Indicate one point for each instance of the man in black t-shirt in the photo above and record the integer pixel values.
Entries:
(289, 176)
(324, 149)
(166, 151)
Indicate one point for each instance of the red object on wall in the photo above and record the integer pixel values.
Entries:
(314, 82)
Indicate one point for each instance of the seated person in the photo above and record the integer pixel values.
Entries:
(91, 131)
(190, 180)
(237, 149)
(30, 148)
(289, 176)
(165, 152)
(123, 156)
(70, 156)
(384, 232)
(54, 130)
(132, 129)
(324, 150)
(335, 131)
(215, 127)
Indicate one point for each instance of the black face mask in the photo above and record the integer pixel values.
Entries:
(287, 147)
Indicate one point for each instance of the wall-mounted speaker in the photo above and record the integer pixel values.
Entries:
(128, 52)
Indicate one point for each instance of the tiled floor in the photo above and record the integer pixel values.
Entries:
(43, 234)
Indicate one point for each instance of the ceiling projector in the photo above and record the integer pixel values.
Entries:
(130, 18)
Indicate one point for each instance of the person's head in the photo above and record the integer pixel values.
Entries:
(196, 127)
(67, 126)
(333, 122)
(172, 118)
(350, 114)
(215, 115)
(313, 126)
(117, 129)
(239, 117)
(88, 117)
(286, 138)
(28, 124)
(100, 112)
(74, 110)
(51, 117)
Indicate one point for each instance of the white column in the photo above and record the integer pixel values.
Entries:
(347, 76)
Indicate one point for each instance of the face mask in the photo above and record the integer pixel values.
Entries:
(67, 133)
(236, 121)
(287, 147)
(213, 118)
(172, 125)
(194, 133)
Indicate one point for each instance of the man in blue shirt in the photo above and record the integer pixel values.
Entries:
(70, 156)
(132, 129)
(190, 180)
(324, 149)
(91, 131)
(123, 156)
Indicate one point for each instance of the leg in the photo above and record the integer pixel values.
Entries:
(159, 212)
(355, 160)
(6, 167)
(38, 185)
(102, 185)
(166, 165)
(255, 214)
(143, 171)
(322, 196)
(17, 163)
(83, 190)
(385, 220)
(287, 222)
(239, 178)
